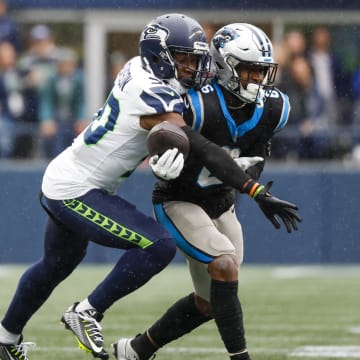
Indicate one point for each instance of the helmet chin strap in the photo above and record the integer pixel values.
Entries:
(187, 82)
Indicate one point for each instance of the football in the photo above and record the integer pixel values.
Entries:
(166, 135)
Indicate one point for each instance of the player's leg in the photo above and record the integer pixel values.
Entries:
(216, 286)
(111, 221)
(198, 239)
(223, 251)
(181, 318)
(62, 253)
(224, 299)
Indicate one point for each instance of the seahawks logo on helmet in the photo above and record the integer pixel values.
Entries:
(155, 31)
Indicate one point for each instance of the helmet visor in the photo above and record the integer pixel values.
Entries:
(268, 70)
(192, 65)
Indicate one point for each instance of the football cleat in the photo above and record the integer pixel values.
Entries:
(87, 330)
(124, 351)
(15, 351)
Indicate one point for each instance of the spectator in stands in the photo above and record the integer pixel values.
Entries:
(293, 45)
(333, 84)
(314, 79)
(328, 73)
(14, 102)
(62, 105)
(355, 121)
(308, 115)
(9, 28)
(6, 124)
(117, 61)
(355, 85)
(38, 62)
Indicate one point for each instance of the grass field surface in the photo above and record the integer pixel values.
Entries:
(310, 312)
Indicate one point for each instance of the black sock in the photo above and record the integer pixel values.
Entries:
(228, 315)
(243, 356)
(179, 319)
(143, 346)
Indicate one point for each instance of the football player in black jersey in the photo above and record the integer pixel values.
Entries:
(240, 111)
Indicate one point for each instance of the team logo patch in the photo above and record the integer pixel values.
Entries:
(154, 31)
(225, 36)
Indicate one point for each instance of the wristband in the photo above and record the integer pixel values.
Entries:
(252, 188)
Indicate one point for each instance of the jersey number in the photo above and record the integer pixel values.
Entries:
(104, 121)
(206, 179)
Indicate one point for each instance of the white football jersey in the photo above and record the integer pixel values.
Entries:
(114, 144)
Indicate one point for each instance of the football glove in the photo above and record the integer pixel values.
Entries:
(169, 165)
(273, 208)
(245, 162)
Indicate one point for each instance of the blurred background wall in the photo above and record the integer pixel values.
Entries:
(103, 34)
(328, 198)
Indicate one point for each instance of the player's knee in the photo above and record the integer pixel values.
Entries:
(59, 267)
(203, 306)
(164, 250)
(224, 268)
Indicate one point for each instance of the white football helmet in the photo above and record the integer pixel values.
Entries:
(247, 45)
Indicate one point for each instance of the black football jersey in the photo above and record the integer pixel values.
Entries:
(241, 132)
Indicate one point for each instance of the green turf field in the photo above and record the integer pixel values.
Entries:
(290, 313)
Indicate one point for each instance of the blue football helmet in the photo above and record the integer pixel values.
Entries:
(243, 44)
(168, 35)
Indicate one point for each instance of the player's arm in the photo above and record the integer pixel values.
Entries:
(221, 165)
(255, 159)
(216, 159)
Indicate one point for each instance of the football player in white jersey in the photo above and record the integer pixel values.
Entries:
(79, 188)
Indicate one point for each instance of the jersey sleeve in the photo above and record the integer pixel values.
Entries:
(161, 98)
(188, 114)
(145, 94)
(194, 110)
(281, 110)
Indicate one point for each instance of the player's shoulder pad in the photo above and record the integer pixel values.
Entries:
(194, 114)
(147, 92)
(280, 108)
(195, 106)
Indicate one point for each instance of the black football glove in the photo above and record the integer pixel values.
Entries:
(275, 209)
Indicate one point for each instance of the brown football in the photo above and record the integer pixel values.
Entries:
(166, 135)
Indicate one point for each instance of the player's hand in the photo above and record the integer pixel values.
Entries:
(275, 209)
(169, 165)
(245, 162)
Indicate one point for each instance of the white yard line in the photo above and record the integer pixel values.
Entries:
(354, 329)
(4, 270)
(198, 350)
(309, 271)
(345, 352)
(189, 350)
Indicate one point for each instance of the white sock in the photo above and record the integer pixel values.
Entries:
(84, 305)
(7, 337)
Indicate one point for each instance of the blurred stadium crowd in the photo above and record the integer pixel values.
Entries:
(43, 102)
